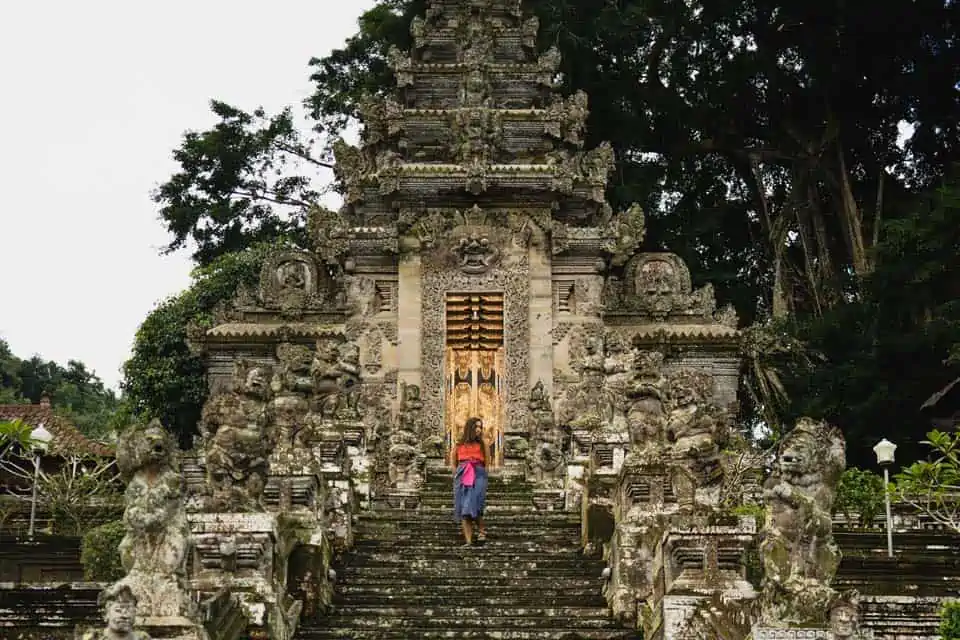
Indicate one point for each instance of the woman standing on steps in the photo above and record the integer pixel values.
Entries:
(470, 481)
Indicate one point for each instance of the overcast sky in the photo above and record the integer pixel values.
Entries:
(96, 95)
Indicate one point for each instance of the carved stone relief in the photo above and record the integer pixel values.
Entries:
(292, 282)
(442, 275)
(658, 285)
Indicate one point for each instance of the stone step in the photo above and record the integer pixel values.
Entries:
(461, 632)
(480, 572)
(578, 613)
(454, 586)
(485, 562)
(426, 621)
(536, 519)
(453, 538)
(498, 546)
(563, 597)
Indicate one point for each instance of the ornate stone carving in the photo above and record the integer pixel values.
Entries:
(566, 119)
(292, 388)
(237, 428)
(511, 276)
(405, 456)
(292, 283)
(119, 605)
(547, 457)
(475, 254)
(373, 352)
(383, 118)
(623, 234)
(646, 403)
(659, 285)
(336, 375)
(402, 67)
(845, 618)
(476, 134)
(800, 557)
(351, 169)
(476, 39)
(696, 429)
(154, 549)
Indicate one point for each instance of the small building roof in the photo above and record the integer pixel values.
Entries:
(66, 437)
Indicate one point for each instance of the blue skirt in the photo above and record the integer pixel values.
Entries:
(468, 502)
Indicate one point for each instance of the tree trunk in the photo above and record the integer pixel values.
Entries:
(850, 220)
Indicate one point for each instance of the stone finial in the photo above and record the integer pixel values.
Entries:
(800, 556)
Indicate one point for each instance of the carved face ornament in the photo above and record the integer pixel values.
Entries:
(255, 383)
(291, 276)
(120, 616)
(798, 453)
(476, 254)
(156, 442)
(843, 621)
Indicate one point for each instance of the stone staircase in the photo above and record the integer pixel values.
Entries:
(407, 576)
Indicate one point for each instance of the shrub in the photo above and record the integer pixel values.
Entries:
(860, 492)
(950, 621)
(100, 552)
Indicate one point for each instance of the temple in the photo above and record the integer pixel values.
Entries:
(477, 269)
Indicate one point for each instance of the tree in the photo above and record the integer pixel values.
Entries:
(75, 392)
(239, 183)
(933, 486)
(163, 378)
(885, 352)
(758, 135)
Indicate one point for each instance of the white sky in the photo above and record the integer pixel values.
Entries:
(96, 95)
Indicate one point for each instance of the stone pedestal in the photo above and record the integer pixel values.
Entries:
(770, 633)
(171, 628)
(246, 553)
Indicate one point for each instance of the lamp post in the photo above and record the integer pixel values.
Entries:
(39, 438)
(884, 450)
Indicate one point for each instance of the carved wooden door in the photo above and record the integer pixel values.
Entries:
(473, 369)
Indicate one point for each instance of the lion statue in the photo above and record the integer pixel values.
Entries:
(154, 549)
(800, 556)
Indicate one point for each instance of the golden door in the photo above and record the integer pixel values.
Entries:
(474, 385)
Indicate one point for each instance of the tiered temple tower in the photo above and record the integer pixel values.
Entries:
(477, 221)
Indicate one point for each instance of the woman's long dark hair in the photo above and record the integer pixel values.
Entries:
(470, 430)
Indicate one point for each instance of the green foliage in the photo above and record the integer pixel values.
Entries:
(163, 378)
(885, 351)
(950, 621)
(100, 552)
(860, 492)
(237, 184)
(757, 511)
(74, 392)
(933, 486)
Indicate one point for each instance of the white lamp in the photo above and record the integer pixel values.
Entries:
(885, 450)
(39, 439)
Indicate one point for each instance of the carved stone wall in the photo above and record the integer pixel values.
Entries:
(511, 275)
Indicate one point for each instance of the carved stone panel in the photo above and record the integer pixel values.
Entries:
(441, 275)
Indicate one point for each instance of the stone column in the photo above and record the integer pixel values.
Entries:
(409, 317)
(541, 317)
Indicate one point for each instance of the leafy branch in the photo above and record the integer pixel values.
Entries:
(933, 487)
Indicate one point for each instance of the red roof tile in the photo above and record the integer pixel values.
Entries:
(66, 437)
